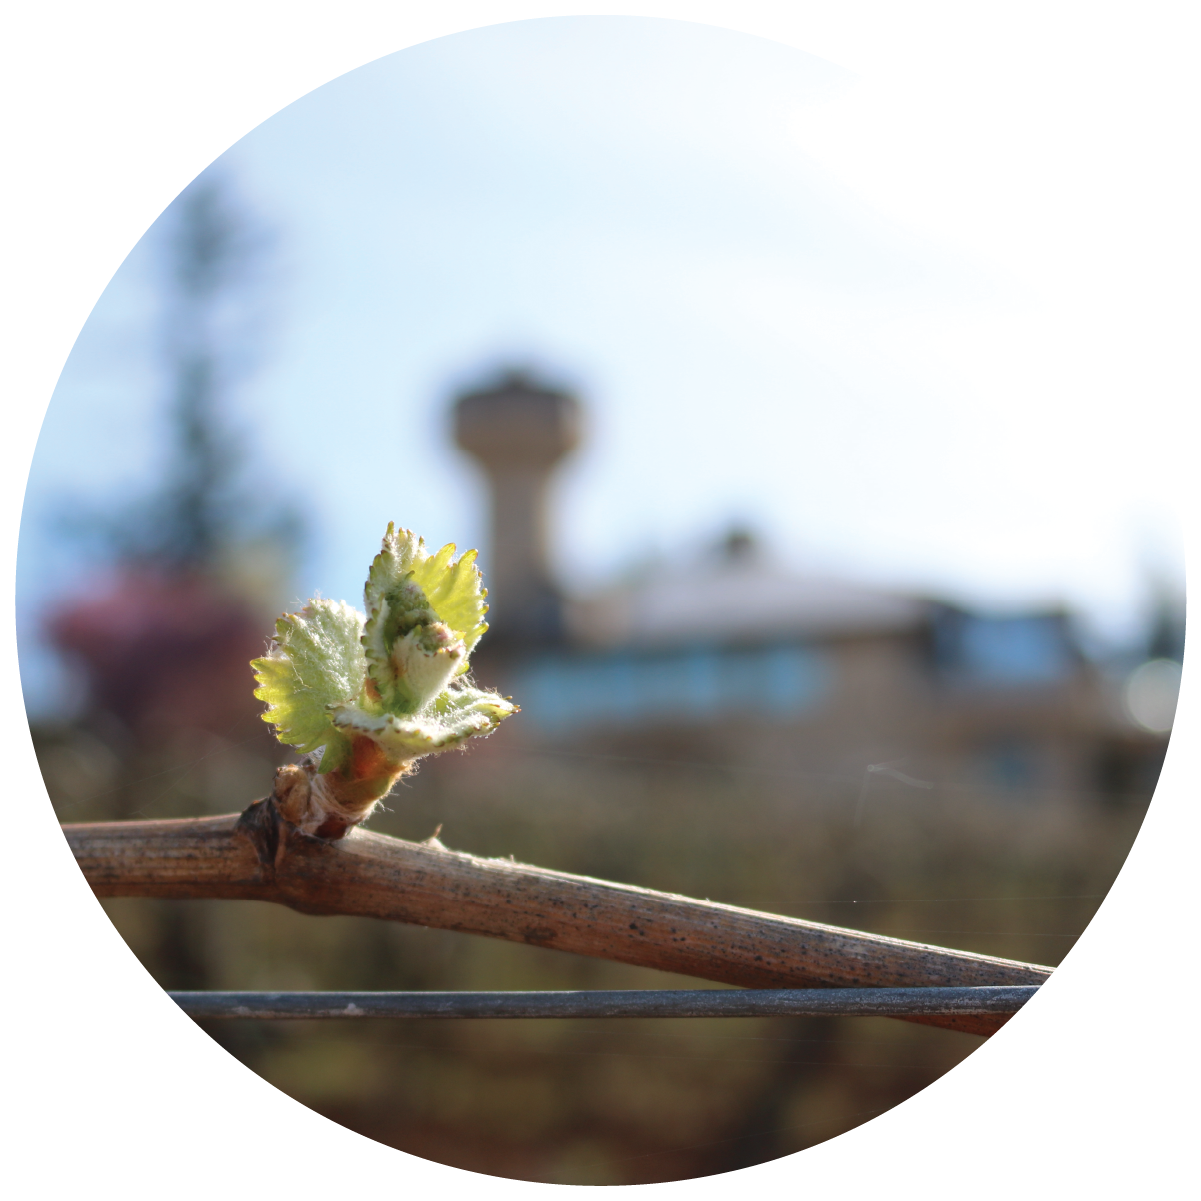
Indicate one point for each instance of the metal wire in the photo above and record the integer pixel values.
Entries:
(640, 1003)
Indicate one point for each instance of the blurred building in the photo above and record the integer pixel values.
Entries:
(730, 655)
(519, 432)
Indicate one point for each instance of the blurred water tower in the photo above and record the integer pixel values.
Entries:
(519, 431)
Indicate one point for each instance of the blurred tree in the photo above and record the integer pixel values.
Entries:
(194, 571)
(214, 269)
(199, 562)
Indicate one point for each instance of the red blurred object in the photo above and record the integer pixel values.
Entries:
(165, 651)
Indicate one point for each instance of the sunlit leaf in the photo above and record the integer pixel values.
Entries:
(317, 661)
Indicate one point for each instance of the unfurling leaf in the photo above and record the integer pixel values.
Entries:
(372, 694)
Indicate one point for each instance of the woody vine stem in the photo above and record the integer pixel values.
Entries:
(363, 697)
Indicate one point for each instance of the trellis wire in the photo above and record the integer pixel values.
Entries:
(632, 1003)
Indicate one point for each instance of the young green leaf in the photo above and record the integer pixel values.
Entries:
(373, 693)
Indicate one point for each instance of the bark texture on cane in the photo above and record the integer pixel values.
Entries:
(259, 856)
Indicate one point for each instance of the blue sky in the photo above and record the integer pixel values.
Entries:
(700, 232)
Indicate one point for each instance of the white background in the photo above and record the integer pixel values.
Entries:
(112, 109)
